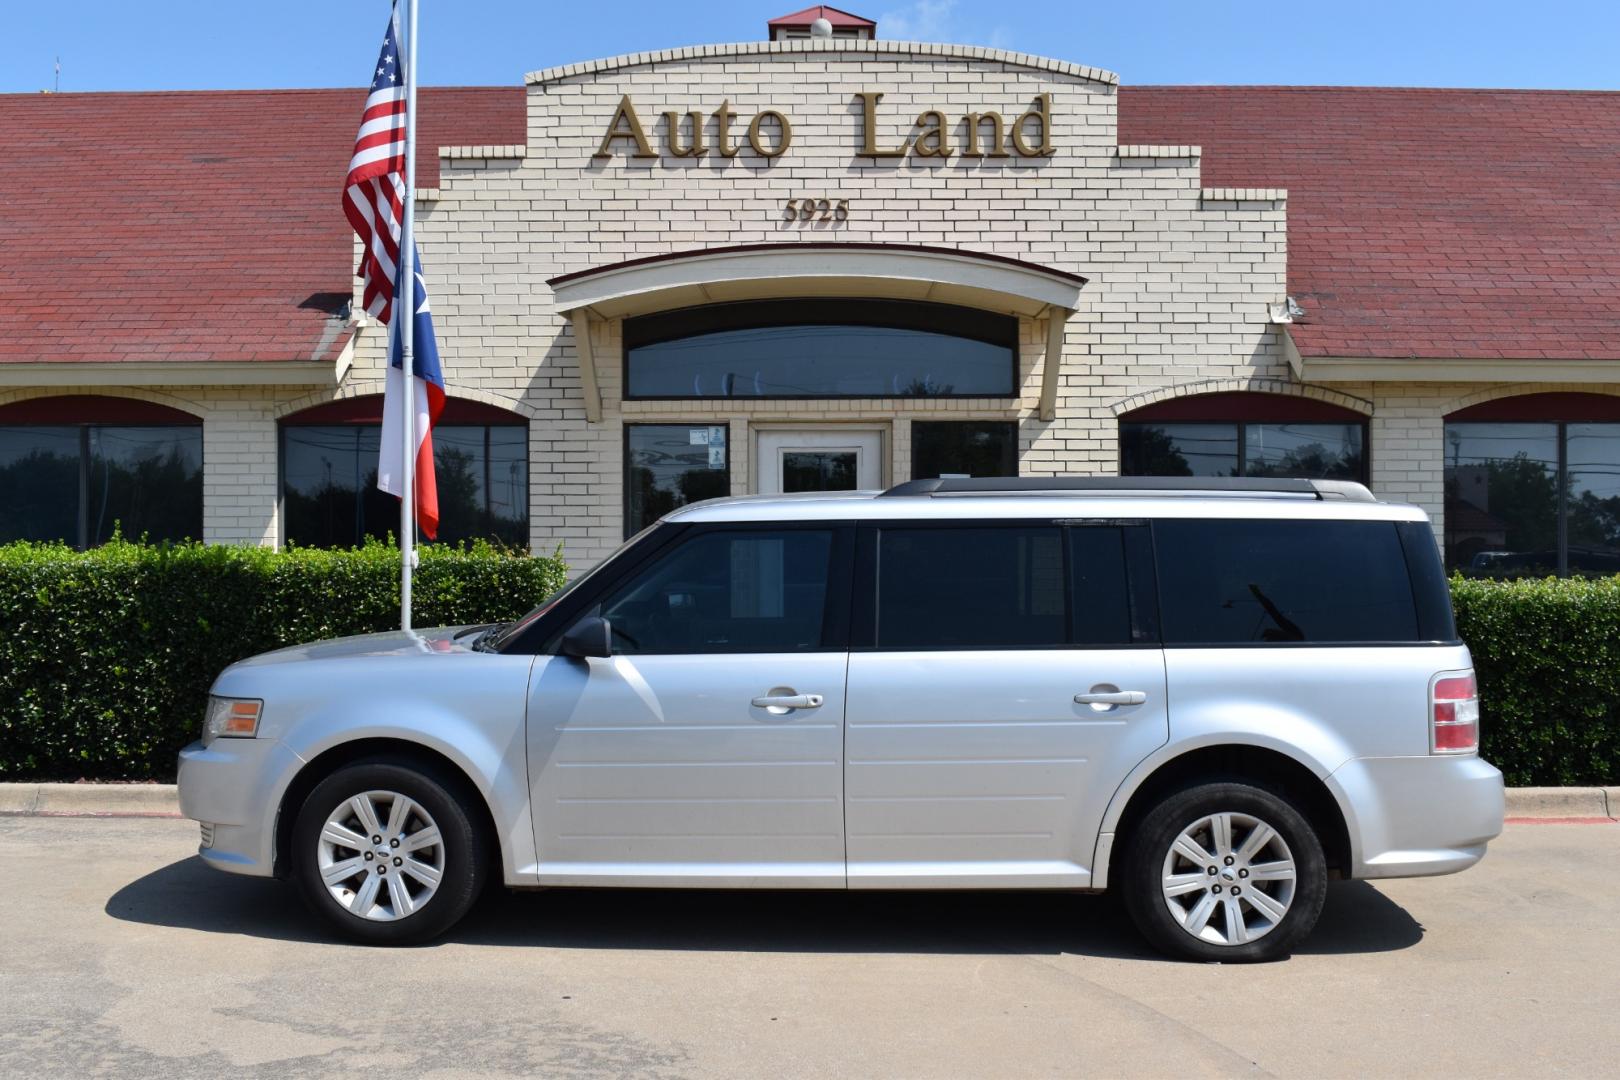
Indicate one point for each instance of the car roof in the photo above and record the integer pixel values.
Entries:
(1068, 498)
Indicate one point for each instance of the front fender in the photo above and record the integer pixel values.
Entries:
(467, 707)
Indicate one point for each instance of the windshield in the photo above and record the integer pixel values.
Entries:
(503, 633)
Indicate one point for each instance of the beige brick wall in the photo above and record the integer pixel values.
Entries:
(1179, 278)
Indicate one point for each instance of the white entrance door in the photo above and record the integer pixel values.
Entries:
(819, 461)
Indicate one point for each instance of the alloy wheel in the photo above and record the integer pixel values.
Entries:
(380, 855)
(1229, 879)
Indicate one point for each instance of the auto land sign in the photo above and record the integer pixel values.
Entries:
(769, 133)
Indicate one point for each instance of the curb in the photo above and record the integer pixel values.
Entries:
(90, 800)
(163, 800)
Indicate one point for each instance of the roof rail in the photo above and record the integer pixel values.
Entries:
(1122, 486)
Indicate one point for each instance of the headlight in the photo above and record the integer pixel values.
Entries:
(231, 718)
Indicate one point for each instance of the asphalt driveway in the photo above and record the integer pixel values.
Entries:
(120, 953)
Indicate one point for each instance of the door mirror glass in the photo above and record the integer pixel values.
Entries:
(589, 637)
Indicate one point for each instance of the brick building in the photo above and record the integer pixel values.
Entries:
(818, 262)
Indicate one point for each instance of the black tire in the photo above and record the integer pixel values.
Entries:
(464, 854)
(1150, 843)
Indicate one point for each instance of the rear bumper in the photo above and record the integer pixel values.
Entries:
(233, 787)
(1418, 816)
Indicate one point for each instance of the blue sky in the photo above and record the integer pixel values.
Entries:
(209, 44)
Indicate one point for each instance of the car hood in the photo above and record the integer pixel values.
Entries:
(437, 639)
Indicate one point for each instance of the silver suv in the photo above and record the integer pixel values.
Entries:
(1212, 696)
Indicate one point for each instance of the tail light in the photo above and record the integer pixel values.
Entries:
(1454, 712)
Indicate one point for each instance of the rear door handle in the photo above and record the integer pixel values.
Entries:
(1111, 697)
(788, 701)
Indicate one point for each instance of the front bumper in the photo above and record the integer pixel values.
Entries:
(233, 787)
(1418, 816)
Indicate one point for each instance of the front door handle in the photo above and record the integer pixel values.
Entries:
(784, 702)
(1111, 697)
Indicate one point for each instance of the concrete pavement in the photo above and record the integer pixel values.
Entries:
(124, 955)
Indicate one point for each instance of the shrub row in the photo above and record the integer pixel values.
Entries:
(1547, 655)
(106, 656)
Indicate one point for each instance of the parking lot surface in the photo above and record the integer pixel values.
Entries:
(124, 955)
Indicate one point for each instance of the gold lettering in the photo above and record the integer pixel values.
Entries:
(672, 134)
(931, 139)
(722, 123)
(1041, 113)
(625, 125)
(759, 144)
(869, 146)
(998, 138)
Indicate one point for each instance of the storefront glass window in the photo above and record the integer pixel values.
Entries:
(821, 348)
(670, 465)
(1309, 451)
(963, 448)
(1508, 513)
(330, 495)
(78, 482)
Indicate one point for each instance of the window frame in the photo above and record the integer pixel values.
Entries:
(1560, 480)
(1243, 439)
(929, 421)
(139, 418)
(625, 465)
(544, 637)
(701, 320)
(1424, 615)
(1141, 581)
(357, 413)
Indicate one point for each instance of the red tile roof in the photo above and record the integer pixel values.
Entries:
(1434, 223)
(193, 226)
(822, 11)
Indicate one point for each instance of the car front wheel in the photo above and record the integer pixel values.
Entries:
(388, 853)
(1225, 872)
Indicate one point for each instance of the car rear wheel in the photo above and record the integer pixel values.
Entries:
(388, 853)
(1225, 872)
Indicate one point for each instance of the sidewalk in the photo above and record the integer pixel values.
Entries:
(161, 800)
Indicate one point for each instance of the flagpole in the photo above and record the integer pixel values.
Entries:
(405, 311)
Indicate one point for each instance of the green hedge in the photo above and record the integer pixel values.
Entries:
(1547, 653)
(106, 656)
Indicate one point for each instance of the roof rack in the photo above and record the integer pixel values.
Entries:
(1125, 486)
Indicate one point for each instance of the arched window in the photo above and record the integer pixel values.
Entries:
(819, 348)
(74, 467)
(329, 490)
(1244, 434)
(1533, 485)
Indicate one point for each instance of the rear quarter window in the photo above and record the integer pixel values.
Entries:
(1232, 582)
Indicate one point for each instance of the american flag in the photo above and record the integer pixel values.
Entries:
(374, 193)
(374, 201)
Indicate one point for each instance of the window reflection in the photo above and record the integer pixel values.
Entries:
(963, 448)
(821, 348)
(331, 499)
(1505, 507)
(77, 483)
(670, 465)
(1273, 450)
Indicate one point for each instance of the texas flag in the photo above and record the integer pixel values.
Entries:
(426, 397)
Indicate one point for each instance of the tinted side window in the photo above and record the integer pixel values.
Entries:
(1101, 608)
(970, 588)
(1233, 582)
(727, 592)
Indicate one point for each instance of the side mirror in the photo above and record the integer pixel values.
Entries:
(588, 637)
